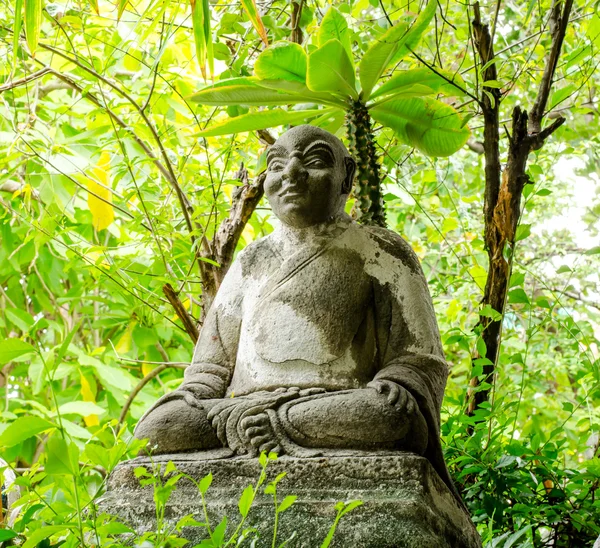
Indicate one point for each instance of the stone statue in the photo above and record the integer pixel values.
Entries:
(322, 339)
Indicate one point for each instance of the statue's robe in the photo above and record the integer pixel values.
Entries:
(334, 309)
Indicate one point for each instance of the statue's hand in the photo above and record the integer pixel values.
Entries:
(397, 396)
(260, 433)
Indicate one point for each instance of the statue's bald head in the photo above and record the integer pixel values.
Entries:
(309, 176)
(305, 134)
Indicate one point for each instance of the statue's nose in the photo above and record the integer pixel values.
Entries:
(295, 172)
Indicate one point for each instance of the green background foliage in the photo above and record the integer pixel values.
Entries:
(108, 193)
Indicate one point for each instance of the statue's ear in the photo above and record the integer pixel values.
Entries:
(350, 171)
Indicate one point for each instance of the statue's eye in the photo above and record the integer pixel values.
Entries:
(315, 162)
(276, 165)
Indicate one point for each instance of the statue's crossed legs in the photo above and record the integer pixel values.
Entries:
(383, 416)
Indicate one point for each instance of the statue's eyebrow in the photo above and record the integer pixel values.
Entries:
(276, 151)
(321, 146)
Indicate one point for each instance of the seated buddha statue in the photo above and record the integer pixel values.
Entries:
(322, 338)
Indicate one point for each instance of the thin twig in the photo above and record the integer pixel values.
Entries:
(143, 383)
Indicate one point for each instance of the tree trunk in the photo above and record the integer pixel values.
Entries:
(503, 190)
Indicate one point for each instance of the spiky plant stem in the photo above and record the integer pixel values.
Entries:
(370, 207)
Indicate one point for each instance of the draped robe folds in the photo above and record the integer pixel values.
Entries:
(302, 316)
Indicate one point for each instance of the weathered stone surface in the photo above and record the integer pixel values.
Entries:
(406, 504)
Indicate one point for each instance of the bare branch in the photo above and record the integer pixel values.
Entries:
(144, 382)
(188, 323)
(25, 80)
(558, 28)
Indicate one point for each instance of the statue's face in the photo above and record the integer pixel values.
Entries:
(309, 176)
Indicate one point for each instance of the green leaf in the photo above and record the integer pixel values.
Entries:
(204, 483)
(593, 250)
(523, 231)
(260, 120)
(17, 24)
(200, 24)
(495, 84)
(560, 95)
(282, 61)
(13, 348)
(437, 81)
(334, 26)
(83, 408)
(379, 56)
(330, 69)
(481, 347)
(518, 296)
(416, 31)
(36, 537)
(7, 534)
(286, 503)
(62, 457)
(33, 22)
(250, 9)
(246, 501)
(20, 318)
(121, 8)
(22, 429)
(250, 95)
(425, 123)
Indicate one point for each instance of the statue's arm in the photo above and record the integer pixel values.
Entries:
(214, 356)
(410, 355)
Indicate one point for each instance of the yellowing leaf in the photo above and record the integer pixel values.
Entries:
(99, 196)
(479, 275)
(88, 395)
(124, 344)
(146, 368)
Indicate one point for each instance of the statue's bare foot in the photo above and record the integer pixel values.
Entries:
(260, 433)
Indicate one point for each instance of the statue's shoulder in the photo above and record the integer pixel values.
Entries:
(393, 246)
(255, 254)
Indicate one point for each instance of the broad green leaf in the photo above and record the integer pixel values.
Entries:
(286, 503)
(20, 318)
(246, 501)
(17, 24)
(260, 120)
(378, 57)
(250, 9)
(22, 429)
(330, 69)
(518, 296)
(34, 538)
(282, 61)
(13, 348)
(82, 408)
(416, 31)
(33, 22)
(199, 37)
(99, 195)
(204, 483)
(62, 457)
(439, 81)
(7, 534)
(334, 26)
(429, 125)
(251, 95)
(218, 534)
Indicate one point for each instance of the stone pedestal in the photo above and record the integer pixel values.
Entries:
(405, 502)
